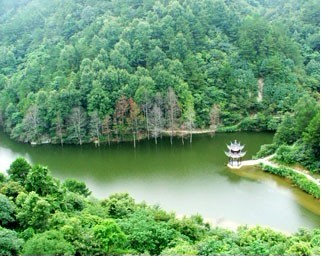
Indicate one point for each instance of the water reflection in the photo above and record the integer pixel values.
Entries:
(188, 179)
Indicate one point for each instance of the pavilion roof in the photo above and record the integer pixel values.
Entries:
(235, 146)
(235, 155)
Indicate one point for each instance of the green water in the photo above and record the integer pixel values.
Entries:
(187, 179)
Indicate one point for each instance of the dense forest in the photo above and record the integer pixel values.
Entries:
(92, 71)
(39, 215)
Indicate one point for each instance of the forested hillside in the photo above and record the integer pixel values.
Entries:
(39, 215)
(92, 70)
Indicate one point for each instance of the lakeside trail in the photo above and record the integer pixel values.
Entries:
(267, 161)
(187, 132)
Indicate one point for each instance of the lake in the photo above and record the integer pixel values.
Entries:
(188, 179)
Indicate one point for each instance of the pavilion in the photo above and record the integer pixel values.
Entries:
(235, 154)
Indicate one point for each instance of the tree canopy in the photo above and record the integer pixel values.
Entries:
(49, 223)
(73, 65)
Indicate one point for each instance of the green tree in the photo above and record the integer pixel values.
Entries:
(33, 211)
(78, 230)
(76, 186)
(119, 205)
(286, 131)
(7, 211)
(311, 136)
(145, 234)
(11, 189)
(40, 181)
(50, 242)
(19, 170)
(109, 236)
(258, 240)
(305, 109)
(10, 243)
(98, 100)
(299, 249)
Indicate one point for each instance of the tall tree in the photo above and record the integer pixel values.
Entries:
(120, 113)
(133, 119)
(59, 128)
(19, 170)
(214, 117)
(190, 121)
(77, 124)
(156, 117)
(156, 121)
(172, 111)
(106, 127)
(95, 127)
(32, 124)
(143, 95)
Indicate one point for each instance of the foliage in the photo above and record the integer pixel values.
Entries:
(61, 222)
(299, 180)
(298, 135)
(10, 243)
(145, 234)
(72, 66)
(11, 189)
(78, 230)
(19, 170)
(259, 240)
(40, 181)
(192, 227)
(76, 187)
(119, 205)
(50, 242)
(7, 211)
(181, 248)
(299, 249)
(34, 211)
(266, 150)
(109, 236)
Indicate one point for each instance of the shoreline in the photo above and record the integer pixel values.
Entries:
(166, 132)
(298, 178)
(128, 136)
(266, 161)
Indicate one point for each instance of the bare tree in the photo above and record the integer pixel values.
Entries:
(146, 107)
(59, 127)
(120, 113)
(172, 111)
(106, 128)
(77, 123)
(214, 117)
(95, 127)
(32, 124)
(189, 121)
(156, 121)
(133, 118)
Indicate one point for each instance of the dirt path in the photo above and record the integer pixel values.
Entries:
(185, 132)
(267, 161)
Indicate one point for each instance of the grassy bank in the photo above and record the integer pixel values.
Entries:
(297, 179)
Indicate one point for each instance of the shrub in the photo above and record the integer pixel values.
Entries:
(298, 179)
(286, 154)
(50, 242)
(10, 243)
(266, 150)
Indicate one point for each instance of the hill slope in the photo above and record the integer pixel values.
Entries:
(78, 71)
